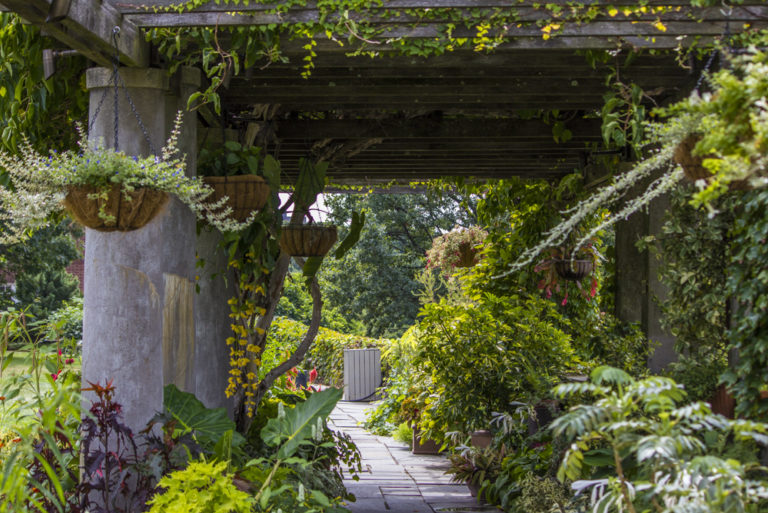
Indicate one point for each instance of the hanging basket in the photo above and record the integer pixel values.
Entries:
(693, 166)
(307, 240)
(467, 255)
(573, 270)
(246, 193)
(131, 210)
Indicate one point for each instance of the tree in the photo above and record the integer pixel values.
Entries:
(375, 283)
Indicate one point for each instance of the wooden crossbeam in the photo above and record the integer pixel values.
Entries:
(87, 27)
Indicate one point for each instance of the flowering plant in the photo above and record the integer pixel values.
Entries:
(457, 248)
(564, 258)
(39, 183)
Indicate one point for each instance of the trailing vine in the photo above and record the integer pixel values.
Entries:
(363, 27)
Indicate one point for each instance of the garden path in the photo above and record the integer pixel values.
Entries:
(395, 480)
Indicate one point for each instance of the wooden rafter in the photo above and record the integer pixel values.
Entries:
(87, 27)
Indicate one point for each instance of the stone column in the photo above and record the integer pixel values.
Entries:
(139, 320)
(638, 289)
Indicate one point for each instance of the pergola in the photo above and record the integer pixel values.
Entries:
(390, 119)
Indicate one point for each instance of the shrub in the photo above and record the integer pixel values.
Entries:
(486, 354)
(326, 354)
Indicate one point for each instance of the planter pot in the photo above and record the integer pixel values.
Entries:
(467, 255)
(543, 415)
(481, 439)
(245, 193)
(419, 446)
(693, 166)
(723, 402)
(130, 210)
(307, 240)
(573, 270)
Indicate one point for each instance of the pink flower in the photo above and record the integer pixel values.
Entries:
(59, 352)
(565, 300)
(69, 361)
(55, 376)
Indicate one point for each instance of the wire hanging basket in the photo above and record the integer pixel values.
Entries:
(308, 240)
(115, 207)
(118, 210)
(245, 193)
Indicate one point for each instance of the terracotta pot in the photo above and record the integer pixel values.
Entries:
(481, 439)
(419, 446)
(245, 193)
(307, 240)
(573, 270)
(130, 210)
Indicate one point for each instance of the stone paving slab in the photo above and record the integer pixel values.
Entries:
(395, 480)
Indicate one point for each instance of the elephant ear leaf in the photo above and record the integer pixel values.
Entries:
(311, 266)
(208, 425)
(295, 425)
(358, 221)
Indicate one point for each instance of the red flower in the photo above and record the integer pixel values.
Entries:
(55, 376)
(312, 375)
(69, 360)
(565, 299)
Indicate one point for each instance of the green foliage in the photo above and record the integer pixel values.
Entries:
(695, 254)
(39, 110)
(404, 384)
(748, 285)
(68, 320)
(475, 466)
(39, 421)
(326, 354)
(484, 354)
(374, 283)
(660, 454)
(296, 304)
(202, 487)
(233, 159)
(45, 292)
(403, 433)
(290, 428)
(190, 416)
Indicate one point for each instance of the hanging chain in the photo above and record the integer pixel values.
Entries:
(116, 66)
(716, 53)
(144, 131)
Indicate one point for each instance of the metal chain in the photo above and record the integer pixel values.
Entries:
(115, 74)
(144, 131)
(706, 68)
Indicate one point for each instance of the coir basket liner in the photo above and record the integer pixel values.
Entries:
(131, 210)
(307, 240)
(246, 193)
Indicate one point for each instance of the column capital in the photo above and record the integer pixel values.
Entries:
(148, 78)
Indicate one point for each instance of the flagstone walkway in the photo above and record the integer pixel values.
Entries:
(394, 479)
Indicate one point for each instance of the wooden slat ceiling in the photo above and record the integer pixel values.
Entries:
(402, 118)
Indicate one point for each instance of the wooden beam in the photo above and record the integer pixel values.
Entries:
(427, 128)
(87, 28)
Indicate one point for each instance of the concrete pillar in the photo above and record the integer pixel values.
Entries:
(638, 289)
(139, 286)
(212, 322)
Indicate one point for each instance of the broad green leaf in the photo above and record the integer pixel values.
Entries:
(358, 221)
(290, 430)
(208, 425)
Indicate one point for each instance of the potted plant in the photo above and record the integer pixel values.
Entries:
(308, 240)
(569, 266)
(457, 248)
(101, 188)
(474, 466)
(235, 173)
